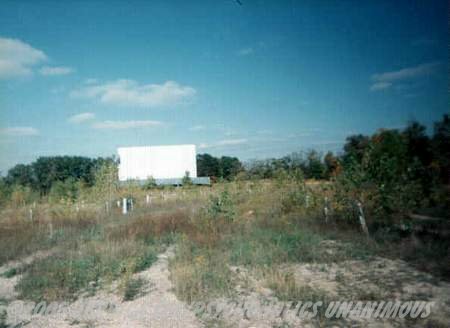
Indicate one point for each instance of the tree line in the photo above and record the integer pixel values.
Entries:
(389, 158)
(45, 172)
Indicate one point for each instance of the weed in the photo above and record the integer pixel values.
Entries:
(133, 288)
(145, 260)
(10, 273)
(3, 317)
(286, 289)
(199, 273)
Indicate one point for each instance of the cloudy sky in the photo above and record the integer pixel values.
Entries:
(260, 79)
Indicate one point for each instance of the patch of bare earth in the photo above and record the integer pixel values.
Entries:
(157, 307)
(7, 285)
(378, 280)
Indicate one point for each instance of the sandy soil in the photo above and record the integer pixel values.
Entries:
(254, 305)
(157, 308)
(375, 279)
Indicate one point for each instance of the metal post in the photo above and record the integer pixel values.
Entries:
(124, 206)
(325, 210)
(362, 219)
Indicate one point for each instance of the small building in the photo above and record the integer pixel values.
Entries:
(165, 164)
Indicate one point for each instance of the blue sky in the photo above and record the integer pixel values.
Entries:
(256, 80)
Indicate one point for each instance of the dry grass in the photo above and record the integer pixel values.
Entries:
(285, 288)
(257, 224)
(49, 226)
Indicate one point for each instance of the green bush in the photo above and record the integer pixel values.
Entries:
(149, 184)
(186, 181)
(133, 288)
(146, 259)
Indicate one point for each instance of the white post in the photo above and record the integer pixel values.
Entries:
(51, 230)
(325, 210)
(131, 204)
(307, 201)
(118, 203)
(147, 199)
(362, 219)
(124, 206)
(31, 214)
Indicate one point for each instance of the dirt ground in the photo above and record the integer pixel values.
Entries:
(254, 305)
(157, 307)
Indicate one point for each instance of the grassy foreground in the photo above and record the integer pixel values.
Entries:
(262, 227)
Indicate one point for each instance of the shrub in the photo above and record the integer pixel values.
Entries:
(286, 289)
(186, 181)
(150, 183)
(93, 263)
(214, 220)
(199, 273)
(133, 288)
(21, 195)
(67, 190)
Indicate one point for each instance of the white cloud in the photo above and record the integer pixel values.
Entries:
(380, 86)
(82, 117)
(19, 131)
(264, 132)
(90, 81)
(120, 125)
(406, 73)
(223, 143)
(197, 128)
(17, 58)
(245, 51)
(229, 142)
(385, 80)
(131, 93)
(55, 70)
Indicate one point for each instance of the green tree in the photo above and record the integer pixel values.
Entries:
(331, 165)
(48, 170)
(229, 167)
(21, 174)
(67, 190)
(106, 181)
(418, 144)
(314, 167)
(441, 148)
(355, 148)
(207, 166)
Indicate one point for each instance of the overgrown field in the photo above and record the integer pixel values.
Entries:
(281, 238)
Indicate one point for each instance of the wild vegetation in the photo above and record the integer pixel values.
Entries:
(249, 232)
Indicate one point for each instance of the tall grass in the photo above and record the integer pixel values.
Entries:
(21, 235)
(260, 225)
